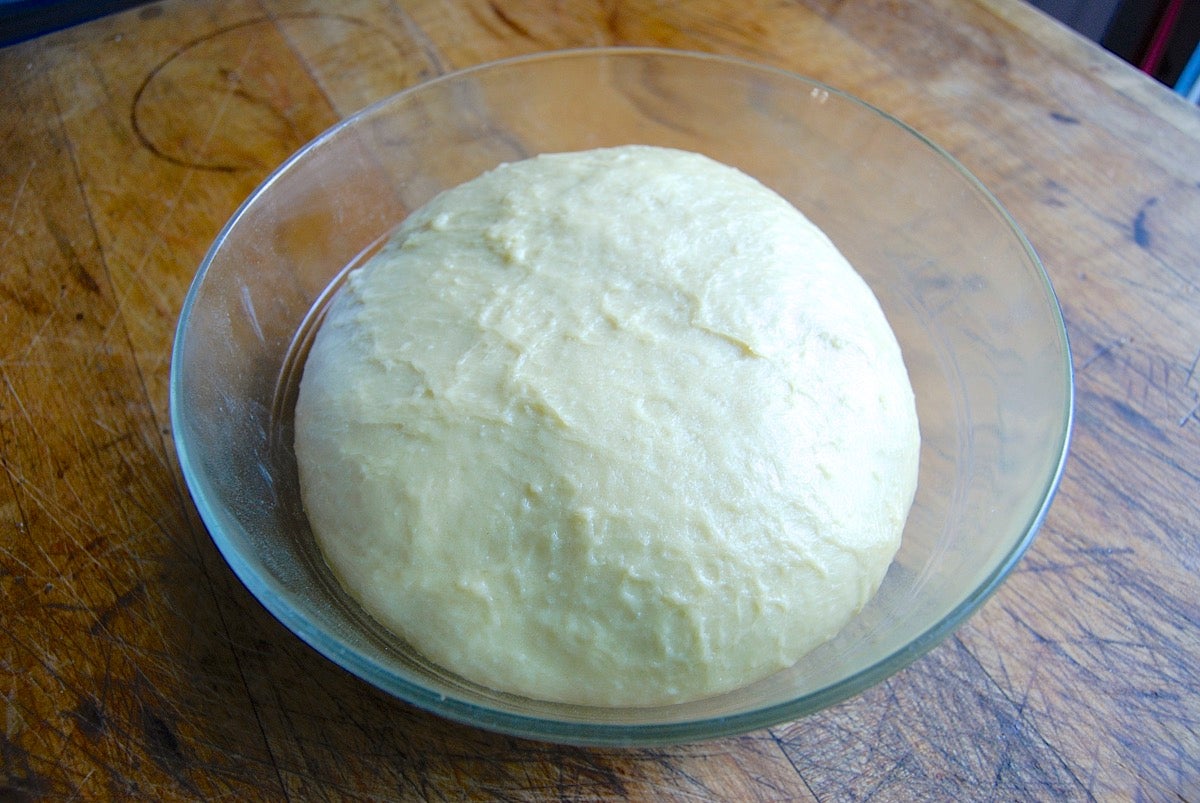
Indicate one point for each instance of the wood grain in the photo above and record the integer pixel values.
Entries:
(132, 662)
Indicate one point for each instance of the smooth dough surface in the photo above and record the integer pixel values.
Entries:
(618, 427)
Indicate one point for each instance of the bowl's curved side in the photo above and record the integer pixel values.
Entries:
(973, 308)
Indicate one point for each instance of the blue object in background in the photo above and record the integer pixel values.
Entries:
(1187, 84)
(25, 19)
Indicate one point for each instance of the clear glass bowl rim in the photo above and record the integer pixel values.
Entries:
(602, 733)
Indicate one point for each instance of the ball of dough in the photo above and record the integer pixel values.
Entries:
(617, 428)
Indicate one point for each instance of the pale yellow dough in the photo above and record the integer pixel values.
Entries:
(616, 428)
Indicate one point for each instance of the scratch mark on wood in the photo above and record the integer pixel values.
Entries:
(46, 310)
(89, 716)
(131, 596)
(1188, 415)
(21, 781)
(1192, 370)
(1137, 419)
(32, 303)
(775, 737)
(43, 656)
(418, 34)
(1102, 351)
(15, 205)
(147, 141)
(161, 740)
(512, 24)
(12, 393)
(1066, 119)
(1141, 235)
(215, 118)
(78, 272)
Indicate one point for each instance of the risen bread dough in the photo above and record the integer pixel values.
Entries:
(617, 428)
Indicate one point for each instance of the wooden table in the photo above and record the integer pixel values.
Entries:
(133, 663)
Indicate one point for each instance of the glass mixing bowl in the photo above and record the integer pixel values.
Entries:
(978, 322)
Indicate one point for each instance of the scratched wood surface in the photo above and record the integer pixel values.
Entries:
(132, 662)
